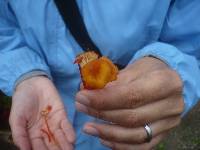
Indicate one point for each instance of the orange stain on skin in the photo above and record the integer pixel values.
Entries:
(96, 72)
(47, 131)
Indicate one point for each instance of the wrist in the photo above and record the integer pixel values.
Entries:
(34, 83)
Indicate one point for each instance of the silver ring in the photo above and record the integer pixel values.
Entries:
(149, 133)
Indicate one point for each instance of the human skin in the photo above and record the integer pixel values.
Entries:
(30, 98)
(147, 91)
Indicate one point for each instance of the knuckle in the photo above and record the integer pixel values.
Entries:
(101, 115)
(98, 114)
(140, 136)
(95, 113)
(132, 119)
(94, 102)
(178, 85)
(175, 79)
(133, 99)
(97, 103)
(166, 76)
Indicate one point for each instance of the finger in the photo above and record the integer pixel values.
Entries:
(63, 123)
(19, 133)
(139, 116)
(38, 144)
(145, 146)
(130, 135)
(51, 144)
(154, 86)
(62, 140)
(68, 131)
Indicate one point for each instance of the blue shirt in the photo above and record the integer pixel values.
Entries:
(34, 37)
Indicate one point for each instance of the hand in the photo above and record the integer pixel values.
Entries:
(147, 91)
(31, 97)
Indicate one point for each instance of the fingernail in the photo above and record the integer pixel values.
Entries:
(82, 99)
(106, 143)
(80, 107)
(91, 130)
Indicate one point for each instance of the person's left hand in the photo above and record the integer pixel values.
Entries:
(146, 92)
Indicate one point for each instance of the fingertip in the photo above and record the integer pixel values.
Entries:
(71, 137)
(90, 129)
(82, 98)
(69, 131)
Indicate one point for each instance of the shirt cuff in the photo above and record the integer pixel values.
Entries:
(185, 65)
(31, 74)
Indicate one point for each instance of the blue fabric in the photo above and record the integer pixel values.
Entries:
(34, 37)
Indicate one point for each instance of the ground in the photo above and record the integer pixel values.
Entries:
(187, 135)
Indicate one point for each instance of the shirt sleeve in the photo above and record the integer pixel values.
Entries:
(179, 47)
(16, 58)
(31, 74)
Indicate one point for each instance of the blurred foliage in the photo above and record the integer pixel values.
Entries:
(161, 146)
(196, 141)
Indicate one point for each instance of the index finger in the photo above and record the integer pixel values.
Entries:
(154, 86)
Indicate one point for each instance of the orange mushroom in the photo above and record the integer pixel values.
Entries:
(96, 72)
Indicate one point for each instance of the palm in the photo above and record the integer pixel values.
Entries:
(55, 119)
(26, 116)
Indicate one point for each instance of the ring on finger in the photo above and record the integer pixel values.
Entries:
(149, 133)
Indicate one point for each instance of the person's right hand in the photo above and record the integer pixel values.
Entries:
(30, 98)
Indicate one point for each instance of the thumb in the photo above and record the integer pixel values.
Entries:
(19, 133)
